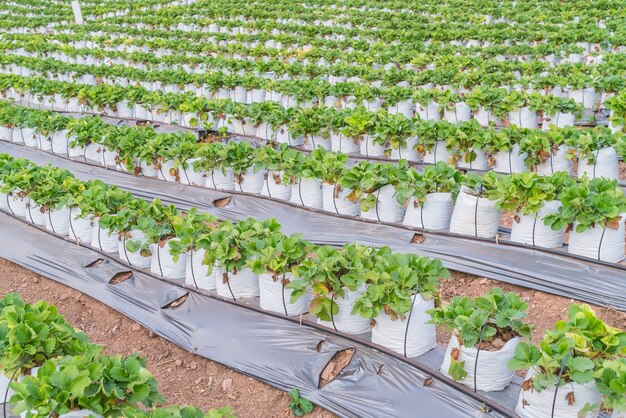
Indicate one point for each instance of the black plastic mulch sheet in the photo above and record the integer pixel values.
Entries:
(552, 272)
(271, 348)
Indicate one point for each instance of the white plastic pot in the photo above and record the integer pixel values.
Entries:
(387, 208)
(560, 120)
(102, 239)
(510, 161)
(80, 230)
(370, 148)
(277, 298)
(480, 163)
(5, 133)
(438, 153)
(265, 131)
(419, 334)
(108, 157)
(341, 143)
(218, 180)
(491, 371)
(133, 259)
(91, 152)
(524, 118)
(167, 172)
(16, 135)
(312, 142)
(284, 137)
(273, 189)
(534, 404)
(460, 113)
(148, 170)
(162, 262)
(15, 204)
(344, 321)
(404, 107)
(57, 221)
(190, 177)
(34, 215)
(599, 243)
(531, 230)
(244, 284)
(250, 182)
(308, 193)
(406, 152)
(485, 117)
(60, 143)
(474, 216)
(556, 162)
(435, 214)
(334, 200)
(30, 138)
(196, 273)
(606, 165)
(429, 112)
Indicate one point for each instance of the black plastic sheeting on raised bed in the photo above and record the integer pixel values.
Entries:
(582, 279)
(271, 348)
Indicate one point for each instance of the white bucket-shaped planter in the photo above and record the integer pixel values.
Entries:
(148, 170)
(30, 138)
(461, 112)
(605, 244)
(244, 284)
(534, 404)
(91, 152)
(312, 142)
(189, 176)
(133, 259)
(491, 371)
(60, 143)
(480, 163)
(474, 216)
(80, 230)
(606, 165)
(277, 298)
(404, 107)
(531, 230)
(369, 148)
(429, 112)
(57, 221)
(438, 153)
(102, 239)
(406, 152)
(485, 117)
(308, 193)
(524, 118)
(250, 182)
(196, 273)
(387, 208)
(16, 135)
(344, 321)
(220, 180)
(162, 262)
(6, 134)
(587, 97)
(273, 189)
(510, 161)
(411, 336)
(556, 162)
(125, 111)
(5, 380)
(338, 203)
(45, 142)
(15, 204)
(34, 215)
(108, 157)
(342, 143)
(284, 137)
(435, 214)
(560, 120)
(265, 131)
(167, 171)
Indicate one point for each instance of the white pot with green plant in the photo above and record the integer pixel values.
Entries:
(597, 156)
(475, 211)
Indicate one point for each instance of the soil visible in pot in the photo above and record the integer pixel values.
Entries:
(497, 341)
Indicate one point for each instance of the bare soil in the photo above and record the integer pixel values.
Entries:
(184, 378)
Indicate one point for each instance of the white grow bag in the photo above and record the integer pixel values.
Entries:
(344, 320)
(480, 163)
(485, 116)
(272, 189)
(60, 143)
(606, 165)
(435, 214)
(510, 161)
(524, 118)
(16, 205)
(420, 335)
(218, 180)
(474, 216)
(531, 230)
(57, 221)
(599, 243)
(250, 182)
(369, 148)
(460, 113)
(312, 142)
(80, 229)
(133, 259)
(34, 215)
(166, 170)
(387, 208)
(244, 284)
(342, 143)
(429, 112)
(162, 262)
(277, 298)
(560, 120)
(407, 151)
(102, 239)
(338, 204)
(190, 177)
(196, 273)
(308, 193)
(438, 153)
(492, 373)
(533, 404)
(556, 162)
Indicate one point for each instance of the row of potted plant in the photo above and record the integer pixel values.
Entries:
(48, 368)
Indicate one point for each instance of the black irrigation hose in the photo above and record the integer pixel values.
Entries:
(283, 294)
(480, 340)
(6, 393)
(556, 388)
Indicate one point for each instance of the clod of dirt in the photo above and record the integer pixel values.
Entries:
(227, 384)
(336, 364)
